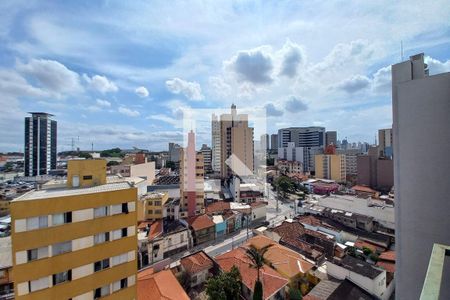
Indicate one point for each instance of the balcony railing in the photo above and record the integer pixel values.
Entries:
(432, 287)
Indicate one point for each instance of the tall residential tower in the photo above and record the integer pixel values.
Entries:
(40, 144)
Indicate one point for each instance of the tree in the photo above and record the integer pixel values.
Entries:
(295, 294)
(226, 286)
(367, 251)
(258, 291)
(112, 163)
(257, 259)
(284, 185)
(170, 164)
(85, 155)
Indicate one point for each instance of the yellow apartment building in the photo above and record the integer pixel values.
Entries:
(151, 206)
(76, 241)
(330, 166)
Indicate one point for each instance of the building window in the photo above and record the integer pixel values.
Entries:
(157, 203)
(62, 277)
(125, 208)
(101, 292)
(38, 284)
(101, 238)
(150, 203)
(124, 232)
(37, 253)
(64, 218)
(100, 212)
(119, 259)
(37, 222)
(124, 283)
(101, 265)
(150, 211)
(87, 177)
(157, 211)
(61, 248)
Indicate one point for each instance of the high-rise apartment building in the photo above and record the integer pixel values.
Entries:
(330, 138)
(385, 142)
(331, 166)
(265, 142)
(421, 131)
(274, 142)
(40, 144)
(236, 143)
(207, 157)
(291, 153)
(192, 179)
(312, 139)
(76, 239)
(215, 143)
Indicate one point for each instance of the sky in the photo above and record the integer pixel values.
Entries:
(121, 73)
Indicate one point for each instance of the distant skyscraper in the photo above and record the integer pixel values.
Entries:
(191, 179)
(291, 153)
(265, 142)
(420, 106)
(236, 139)
(331, 166)
(207, 152)
(331, 138)
(385, 142)
(274, 141)
(215, 143)
(40, 144)
(312, 139)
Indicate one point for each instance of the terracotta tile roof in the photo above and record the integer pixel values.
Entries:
(219, 206)
(388, 266)
(284, 260)
(388, 255)
(258, 204)
(200, 222)
(196, 262)
(362, 188)
(271, 280)
(162, 285)
(290, 233)
(142, 225)
(360, 244)
(310, 220)
(155, 229)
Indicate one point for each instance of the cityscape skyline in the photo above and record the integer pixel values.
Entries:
(126, 83)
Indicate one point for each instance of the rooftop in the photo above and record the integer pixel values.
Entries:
(156, 286)
(200, 222)
(272, 282)
(65, 192)
(347, 290)
(196, 262)
(360, 267)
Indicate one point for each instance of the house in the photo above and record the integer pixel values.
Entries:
(144, 170)
(258, 210)
(220, 225)
(198, 267)
(288, 263)
(6, 281)
(333, 289)
(151, 205)
(386, 261)
(203, 229)
(166, 238)
(273, 283)
(289, 234)
(371, 279)
(363, 190)
(160, 285)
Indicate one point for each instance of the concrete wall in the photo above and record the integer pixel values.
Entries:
(421, 110)
(146, 170)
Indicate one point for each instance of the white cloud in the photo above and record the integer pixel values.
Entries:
(292, 57)
(164, 118)
(128, 112)
(254, 65)
(272, 111)
(381, 82)
(435, 66)
(101, 83)
(142, 92)
(103, 103)
(191, 90)
(295, 105)
(52, 76)
(354, 84)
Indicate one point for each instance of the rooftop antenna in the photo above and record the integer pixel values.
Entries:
(401, 49)
(92, 147)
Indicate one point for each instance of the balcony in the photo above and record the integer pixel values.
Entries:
(431, 289)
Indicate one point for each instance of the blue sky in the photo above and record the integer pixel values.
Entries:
(116, 73)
